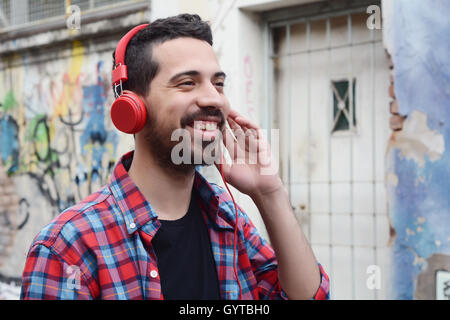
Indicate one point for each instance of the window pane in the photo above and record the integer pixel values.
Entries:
(41, 9)
(341, 105)
(338, 31)
(5, 15)
(279, 40)
(298, 37)
(83, 4)
(318, 37)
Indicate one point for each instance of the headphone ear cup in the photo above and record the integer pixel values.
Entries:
(128, 113)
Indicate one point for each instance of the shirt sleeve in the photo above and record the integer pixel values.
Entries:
(265, 267)
(47, 276)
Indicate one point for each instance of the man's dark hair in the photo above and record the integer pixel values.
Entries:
(141, 66)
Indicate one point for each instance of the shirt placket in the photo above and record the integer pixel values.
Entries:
(152, 283)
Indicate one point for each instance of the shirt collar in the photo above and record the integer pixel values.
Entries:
(137, 211)
(217, 202)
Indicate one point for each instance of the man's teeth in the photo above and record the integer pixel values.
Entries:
(205, 125)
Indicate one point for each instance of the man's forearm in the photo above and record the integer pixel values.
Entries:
(298, 271)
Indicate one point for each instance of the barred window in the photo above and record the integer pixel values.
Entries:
(344, 112)
(19, 12)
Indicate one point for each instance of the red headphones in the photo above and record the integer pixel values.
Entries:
(128, 112)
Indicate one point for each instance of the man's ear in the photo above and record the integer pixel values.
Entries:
(144, 100)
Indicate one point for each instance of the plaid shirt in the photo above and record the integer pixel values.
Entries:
(101, 248)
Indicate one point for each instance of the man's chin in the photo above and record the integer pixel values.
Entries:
(184, 168)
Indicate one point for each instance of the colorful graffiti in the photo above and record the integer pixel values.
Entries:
(248, 72)
(9, 141)
(54, 129)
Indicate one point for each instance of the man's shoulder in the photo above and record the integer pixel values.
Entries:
(71, 223)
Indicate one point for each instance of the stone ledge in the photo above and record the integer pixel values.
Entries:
(96, 24)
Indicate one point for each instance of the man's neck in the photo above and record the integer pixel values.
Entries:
(166, 189)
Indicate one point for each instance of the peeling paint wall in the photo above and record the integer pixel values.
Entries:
(418, 156)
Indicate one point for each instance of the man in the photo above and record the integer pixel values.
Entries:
(159, 230)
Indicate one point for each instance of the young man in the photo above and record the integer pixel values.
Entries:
(159, 230)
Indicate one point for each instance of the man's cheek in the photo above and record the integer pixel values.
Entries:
(226, 106)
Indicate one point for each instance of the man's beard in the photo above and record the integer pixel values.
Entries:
(158, 138)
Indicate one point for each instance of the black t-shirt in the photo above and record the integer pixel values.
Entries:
(186, 265)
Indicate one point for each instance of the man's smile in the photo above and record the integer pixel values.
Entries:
(207, 129)
(206, 124)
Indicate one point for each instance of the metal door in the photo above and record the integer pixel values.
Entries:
(329, 79)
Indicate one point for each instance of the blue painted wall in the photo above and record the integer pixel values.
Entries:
(419, 203)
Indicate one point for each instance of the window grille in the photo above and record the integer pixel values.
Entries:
(21, 12)
(343, 111)
(327, 74)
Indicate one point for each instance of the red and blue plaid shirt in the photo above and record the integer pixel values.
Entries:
(101, 248)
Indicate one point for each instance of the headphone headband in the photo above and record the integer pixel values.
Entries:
(120, 69)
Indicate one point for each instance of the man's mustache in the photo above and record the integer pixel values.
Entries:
(203, 113)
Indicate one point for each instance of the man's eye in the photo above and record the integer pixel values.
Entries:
(187, 83)
(220, 84)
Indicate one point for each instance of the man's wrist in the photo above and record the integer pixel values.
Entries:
(260, 198)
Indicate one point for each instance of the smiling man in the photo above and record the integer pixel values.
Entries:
(159, 229)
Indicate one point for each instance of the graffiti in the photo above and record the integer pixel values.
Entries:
(23, 214)
(95, 138)
(56, 133)
(47, 165)
(248, 72)
(8, 218)
(22, 217)
(9, 143)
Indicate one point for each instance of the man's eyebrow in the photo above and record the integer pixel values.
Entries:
(220, 74)
(194, 73)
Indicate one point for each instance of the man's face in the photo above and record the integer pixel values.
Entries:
(187, 93)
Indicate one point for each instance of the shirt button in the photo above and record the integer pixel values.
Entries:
(132, 225)
(153, 273)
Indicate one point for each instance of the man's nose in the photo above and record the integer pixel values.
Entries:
(209, 97)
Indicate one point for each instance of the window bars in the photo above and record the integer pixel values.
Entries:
(318, 108)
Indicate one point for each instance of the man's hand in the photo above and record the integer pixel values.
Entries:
(253, 170)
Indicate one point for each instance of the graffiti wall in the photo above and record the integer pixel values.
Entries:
(57, 143)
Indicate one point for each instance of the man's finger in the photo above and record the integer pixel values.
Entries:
(246, 124)
(241, 120)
